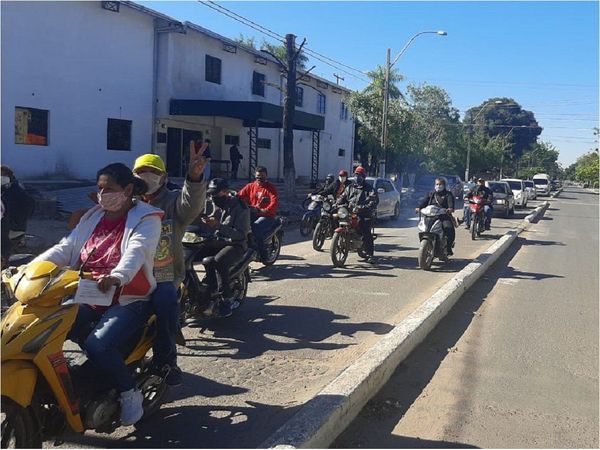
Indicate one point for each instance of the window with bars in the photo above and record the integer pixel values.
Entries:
(343, 111)
(263, 143)
(258, 84)
(321, 104)
(232, 140)
(213, 69)
(299, 96)
(118, 134)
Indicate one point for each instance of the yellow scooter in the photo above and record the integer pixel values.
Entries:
(42, 395)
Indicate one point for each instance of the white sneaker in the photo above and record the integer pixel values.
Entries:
(131, 407)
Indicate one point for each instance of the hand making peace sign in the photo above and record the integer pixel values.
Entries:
(197, 161)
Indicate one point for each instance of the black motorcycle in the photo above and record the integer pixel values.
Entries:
(195, 294)
(272, 241)
(326, 225)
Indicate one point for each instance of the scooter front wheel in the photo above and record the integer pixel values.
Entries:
(339, 249)
(19, 426)
(425, 256)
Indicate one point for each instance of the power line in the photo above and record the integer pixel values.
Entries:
(274, 35)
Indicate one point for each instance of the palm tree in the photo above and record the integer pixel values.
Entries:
(378, 79)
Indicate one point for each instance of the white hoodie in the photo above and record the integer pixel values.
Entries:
(140, 239)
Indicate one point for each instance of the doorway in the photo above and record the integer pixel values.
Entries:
(178, 150)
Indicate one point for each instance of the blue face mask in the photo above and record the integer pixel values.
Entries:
(360, 179)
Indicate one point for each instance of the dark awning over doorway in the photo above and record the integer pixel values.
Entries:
(254, 114)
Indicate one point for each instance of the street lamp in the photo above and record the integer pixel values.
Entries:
(386, 88)
(497, 102)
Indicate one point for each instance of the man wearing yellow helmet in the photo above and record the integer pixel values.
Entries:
(181, 208)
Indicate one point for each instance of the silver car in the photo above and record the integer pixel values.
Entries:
(389, 197)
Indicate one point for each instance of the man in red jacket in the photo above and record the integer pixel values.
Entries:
(263, 199)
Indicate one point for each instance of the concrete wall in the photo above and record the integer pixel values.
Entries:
(84, 64)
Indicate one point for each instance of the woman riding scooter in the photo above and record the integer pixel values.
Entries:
(116, 241)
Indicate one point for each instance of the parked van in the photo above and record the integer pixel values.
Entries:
(518, 188)
(542, 183)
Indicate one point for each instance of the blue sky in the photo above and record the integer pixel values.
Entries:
(542, 54)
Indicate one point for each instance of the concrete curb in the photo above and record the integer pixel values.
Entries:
(325, 416)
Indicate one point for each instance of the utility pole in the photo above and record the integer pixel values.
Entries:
(338, 78)
(289, 109)
(386, 102)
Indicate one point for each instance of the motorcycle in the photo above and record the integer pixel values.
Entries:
(195, 294)
(347, 237)
(476, 206)
(272, 241)
(42, 394)
(433, 240)
(326, 225)
(311, 217)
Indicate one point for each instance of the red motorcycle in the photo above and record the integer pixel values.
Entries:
(347, 237)
(476, 206)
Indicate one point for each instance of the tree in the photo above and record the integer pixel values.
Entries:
(541, 157)
(507, 118)
(278, 50)
(587, 167)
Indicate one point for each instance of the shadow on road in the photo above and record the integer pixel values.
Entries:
(260, 326)
(411, 377)
(199, 426)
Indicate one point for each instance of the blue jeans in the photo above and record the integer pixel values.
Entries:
(488, 211)
(103, 335)
(260, 228)
(166, 306)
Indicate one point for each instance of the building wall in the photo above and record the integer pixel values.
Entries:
(183, 77)
(84, 64)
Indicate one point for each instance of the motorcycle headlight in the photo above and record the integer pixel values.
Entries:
(327, 206)
(343, 213)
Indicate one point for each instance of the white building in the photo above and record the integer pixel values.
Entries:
(79, 79)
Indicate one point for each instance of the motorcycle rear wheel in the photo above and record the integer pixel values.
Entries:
(273, 250)
(319, 236)
(425, 256)
(339, 249)
(19, 426)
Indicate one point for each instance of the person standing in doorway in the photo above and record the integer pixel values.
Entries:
(235, 157)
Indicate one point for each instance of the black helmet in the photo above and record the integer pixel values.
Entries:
(330, 177)
(217, 185)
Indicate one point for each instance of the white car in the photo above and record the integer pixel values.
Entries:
(530, 188)
(518, 188)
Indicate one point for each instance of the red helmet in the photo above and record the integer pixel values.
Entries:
(360, 170)
(343, 173)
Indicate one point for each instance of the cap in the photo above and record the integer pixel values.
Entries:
(343, 173)
(149, 160)
(360, 170)
(217, 185)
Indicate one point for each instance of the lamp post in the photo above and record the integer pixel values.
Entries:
(497, 102)
(386, 89)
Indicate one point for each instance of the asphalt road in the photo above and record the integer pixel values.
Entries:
(515, 363)
(303, 323)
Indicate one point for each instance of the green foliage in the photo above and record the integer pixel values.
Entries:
(278, 50)
(587, 168)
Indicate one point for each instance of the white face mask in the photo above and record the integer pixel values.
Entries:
(342, 179)
(153, 181)
(4, 180)
(439, 188)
